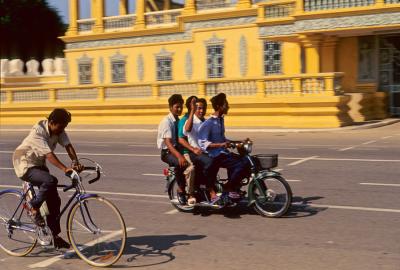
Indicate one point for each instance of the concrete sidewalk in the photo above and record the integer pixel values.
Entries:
(153, 128)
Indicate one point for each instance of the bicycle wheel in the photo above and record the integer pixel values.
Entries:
(173, 197)
(17, 233)
(272, 195)
(96, 231)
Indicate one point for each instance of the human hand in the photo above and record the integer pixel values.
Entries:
(78, 167)
(182, 162)
(193, 104)
(197, 151)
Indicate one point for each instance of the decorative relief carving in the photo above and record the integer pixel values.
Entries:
(140, 67)
(243, 56)
(101, 70)
(189, 65)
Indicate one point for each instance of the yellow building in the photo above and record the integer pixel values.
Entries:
(282, 63)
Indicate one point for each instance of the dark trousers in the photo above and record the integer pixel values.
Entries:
(172, 161)
(40, 177)
(237, 166)
(205, 173)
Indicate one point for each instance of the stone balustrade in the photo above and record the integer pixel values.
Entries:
(50, 67)
(327, 84)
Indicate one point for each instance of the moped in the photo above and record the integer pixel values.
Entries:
(267, 191)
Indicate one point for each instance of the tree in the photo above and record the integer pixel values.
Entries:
(30, 29)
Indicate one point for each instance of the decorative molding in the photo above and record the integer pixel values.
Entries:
(186, 35)
(140, 67)
(84, 59)
(67, 71)
(118, 57)
(331, 23)
(189, 65)
(243, 54)
(101, 70)
(214, 40)
(164, 54)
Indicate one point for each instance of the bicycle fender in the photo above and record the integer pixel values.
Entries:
(250, 196)
(254, 182)
(11, 191)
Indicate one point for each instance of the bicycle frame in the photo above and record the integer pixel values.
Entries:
(16, 210)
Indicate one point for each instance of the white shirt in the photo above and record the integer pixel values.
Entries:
(193, 134)
(167, 129)
(34, 148)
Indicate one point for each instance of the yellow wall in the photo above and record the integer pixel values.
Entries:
(347, 62)
(197, 47)
(291, 62)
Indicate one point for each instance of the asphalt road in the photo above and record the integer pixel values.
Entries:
(345, 214)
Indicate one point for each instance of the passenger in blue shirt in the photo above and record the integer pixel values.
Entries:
(212, 140)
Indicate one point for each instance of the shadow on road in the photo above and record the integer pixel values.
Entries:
(143, 251)
(300, 207)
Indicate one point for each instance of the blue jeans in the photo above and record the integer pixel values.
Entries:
(205, 172)
(237, 166)
(41, 177)
(172, 161)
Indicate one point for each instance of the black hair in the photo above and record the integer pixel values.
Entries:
(60, 116)
(175, 98)
(218, 100)
(202, 100)
(187, 103)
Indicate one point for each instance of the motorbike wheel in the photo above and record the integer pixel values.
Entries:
(173, 197)
(272, 196)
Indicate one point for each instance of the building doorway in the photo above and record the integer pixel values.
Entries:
(389, 70)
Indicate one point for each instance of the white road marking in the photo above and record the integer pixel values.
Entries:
(70, 252)
(347, 148)
(282, 148)
(98, 154)
(368, 142)
(294, 204)
(100, 145)
(159, 175)
(174, 211)
(380, 184)
(302, 160)
(357, 159)
(104, 192)
(350, 207)
(299, 159)
(6, 168)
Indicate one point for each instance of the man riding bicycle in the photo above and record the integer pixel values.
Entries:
(29, 160)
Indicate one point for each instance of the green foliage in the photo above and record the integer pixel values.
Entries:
(30, 29)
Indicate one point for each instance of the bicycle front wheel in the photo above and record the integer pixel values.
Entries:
(96, 231)
(17, 232)
(272, 196)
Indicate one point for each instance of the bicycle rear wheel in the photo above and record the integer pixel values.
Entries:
(18, 235)
(96, 231)
(272, 195)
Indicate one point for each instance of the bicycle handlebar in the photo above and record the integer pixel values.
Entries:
(74, 175)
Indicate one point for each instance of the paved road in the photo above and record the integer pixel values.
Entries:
(346, 210)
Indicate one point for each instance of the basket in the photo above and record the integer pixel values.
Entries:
(266, 161)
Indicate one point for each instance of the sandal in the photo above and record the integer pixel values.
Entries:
(192, 201)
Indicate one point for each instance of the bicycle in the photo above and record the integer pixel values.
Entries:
(95, 227)
(268, 192)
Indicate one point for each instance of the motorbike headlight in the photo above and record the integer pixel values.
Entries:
(248, 147)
